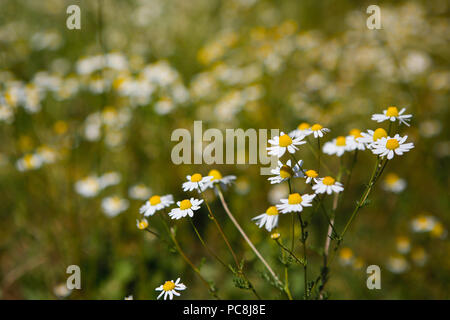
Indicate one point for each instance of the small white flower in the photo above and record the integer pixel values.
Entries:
(109, 179)
(403, 245)
(88, 187)
(269, 219)
(368, 138)
(185, 208)
(295, 202)
(130, 297)
(397, 264)
(301, 131)
(394, 183)
(392, 114)
(112, 206)
(390, 146)
(282, 143)
(142, 224)
(337, 146)
(311, 175)
(328, 185)
(318, 130)
(29, 162)
(139, 192)
(196, 181)
(216, 177)
(168, 289)
(346, 256)
(423, 223)
(156, 203)
(285, 171)
(353, 142)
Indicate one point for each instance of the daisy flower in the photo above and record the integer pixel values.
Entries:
(388, 146)
(285, 171)
(216, 177)
(142, 224)
(337, 146)
(353, 142)
(168, 289)
(370, 137)
(139, 192)
(423, 223)
(318, 130)
(156, 203)
(301, 131)
(311, 175)
(269, 219)
(275, 236)
(185, 207)
(392, 114)
(282, 143)
(295, 202)
(88, 187)
(29, 162)
(403, 244)
(328, 185)
(397, 264)
(112, 206)
(394, 183)
(346, 256)
(196, 181)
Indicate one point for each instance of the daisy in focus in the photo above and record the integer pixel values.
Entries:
(318, 130)
(353, 140)
(284, 172)
(142, 224)
(390, 146)
(156, 203)
(311, 175)
(370, 137)
(392, 114)
(169, 289)
(112, 206)
(295, 202)
(282, 143)
(394, 183)
(301, 131)
(218, 178)
(196, 181)
(328, 185)
(337, 146)
(269, 219)
(185, 208)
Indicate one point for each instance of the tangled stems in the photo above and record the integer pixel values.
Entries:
(246, 238)
(238, 266)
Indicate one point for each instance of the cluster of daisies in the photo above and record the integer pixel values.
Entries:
(378, 141)
(184, 208)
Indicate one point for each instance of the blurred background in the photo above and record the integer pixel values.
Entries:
(86, 118)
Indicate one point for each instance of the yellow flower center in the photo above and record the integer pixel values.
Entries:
(272, 211)
(286, 172)
(196, 177)
(60, 127)
(275, 235)
(303, 126)
(294, 198)
(155, 200)
(28, 159)
(392, 112)
(215, 174)
(143, 224)
(285, 140)
(185, 204)
(391, 178)
(346, 253)
(355, 133)
(340, 141)
(328, 181)
(392, 144)
(316, 127)
(379, 133)
(311, 173)
(168, 285)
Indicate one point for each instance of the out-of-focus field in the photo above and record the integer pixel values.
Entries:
(103, 101)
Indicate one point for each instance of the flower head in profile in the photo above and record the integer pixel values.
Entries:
(311, 175)
(295, 202)
(394, 183)
(390, 146)
(185, 208)
(301, 131)
(142, 224)
(269, 219)
(196, 181)
(337, 146)
(286, 171)
(392, 114)
(282, 143)
(170, 288)
(112, 206)
(370, 137)
(328, 185)
(155, 203)
(216, 177)
(318, 130)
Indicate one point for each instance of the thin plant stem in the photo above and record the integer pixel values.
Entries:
(305, 262)
(282, 246)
